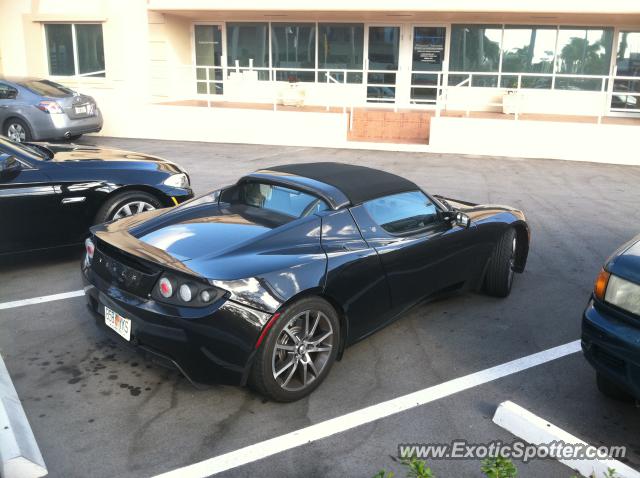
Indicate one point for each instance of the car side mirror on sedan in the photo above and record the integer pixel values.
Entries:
(458, 218)
(9, 164)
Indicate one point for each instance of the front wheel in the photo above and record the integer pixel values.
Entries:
(499, 278)
(298, 352)
(126, 204)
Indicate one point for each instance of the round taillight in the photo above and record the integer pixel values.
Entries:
(89, 247)
(205, 296)
(185, 292)
(166, 288)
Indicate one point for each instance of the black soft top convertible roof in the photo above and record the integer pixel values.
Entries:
(357, 183)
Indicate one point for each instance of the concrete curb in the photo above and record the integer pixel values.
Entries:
(20, 456)
(537, 431)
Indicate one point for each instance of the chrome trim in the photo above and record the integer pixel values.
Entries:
(32, 191)
(73, 200)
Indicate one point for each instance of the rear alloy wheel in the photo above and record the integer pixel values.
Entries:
(17, 130)
(125, 205)
(298, 352)
(500, 272)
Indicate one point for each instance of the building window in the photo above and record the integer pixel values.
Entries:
(208, 40)
(293, 46)
(528, 50)
(583, 51)
(555, 57)
(341, 48)
(476, 48)
(248, 43)
(75, 49)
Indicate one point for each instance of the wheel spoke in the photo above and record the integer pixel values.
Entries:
(291, 335)
(322, 339)
(287, 365)
(325, 348)
(306, 323)
(304, 373)
(312, 365)
(293, 371)
(140, 207)
(288, 348)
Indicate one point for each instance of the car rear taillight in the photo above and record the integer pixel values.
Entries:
(165, 287)
(51, 107)
(90, 249)
(600, 287)
(176, 290)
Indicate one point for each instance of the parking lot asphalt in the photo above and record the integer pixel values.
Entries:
(99, 410)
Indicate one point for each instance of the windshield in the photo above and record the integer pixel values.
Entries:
(21, 150)
(47, 88)
(280, 199)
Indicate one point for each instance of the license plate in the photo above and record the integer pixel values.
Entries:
(118, 323)
(80, 110)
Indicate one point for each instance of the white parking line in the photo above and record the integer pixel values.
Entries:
(39, 300)
(370, 414)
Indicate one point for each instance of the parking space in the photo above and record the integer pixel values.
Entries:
(100, 410)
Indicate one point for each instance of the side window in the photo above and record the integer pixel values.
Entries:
(7, 92)
(281, 199)
(403, 213)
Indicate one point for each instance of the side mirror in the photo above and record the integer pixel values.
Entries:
(462, 220)
(9, 164)
(456, 217)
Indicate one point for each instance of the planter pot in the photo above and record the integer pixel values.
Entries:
(511, 103)
(292, 95)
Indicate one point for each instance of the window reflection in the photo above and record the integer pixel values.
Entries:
(293, 46)
(528, 50)
(475, 47)
(583, 51)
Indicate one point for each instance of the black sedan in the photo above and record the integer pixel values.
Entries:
(50, 194)
(611, 324)
(268, 280)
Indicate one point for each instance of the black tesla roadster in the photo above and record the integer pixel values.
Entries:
(50, 194)
(267, 281)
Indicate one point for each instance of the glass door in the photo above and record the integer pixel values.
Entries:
(382, 65)
(427, 63)
(625, 97)
(208, 59)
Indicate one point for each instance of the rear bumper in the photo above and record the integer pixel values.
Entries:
(611, 344)
(217, 347)
(59, 126)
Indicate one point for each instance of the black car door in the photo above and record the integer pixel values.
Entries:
(28, 208)
(421, 253)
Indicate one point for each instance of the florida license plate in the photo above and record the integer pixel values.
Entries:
(118, 323)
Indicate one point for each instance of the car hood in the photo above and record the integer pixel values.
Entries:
(625, 262)
(72, 153)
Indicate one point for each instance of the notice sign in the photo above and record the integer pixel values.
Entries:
(428, 46)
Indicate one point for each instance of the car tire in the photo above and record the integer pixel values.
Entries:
(17, 130)
(499, 276)
(287, 342)
(116, 206)
(611, 389)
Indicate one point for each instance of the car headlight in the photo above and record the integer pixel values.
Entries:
(179, 180)
(623, 294)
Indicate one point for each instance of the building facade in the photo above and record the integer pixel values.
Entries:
(406, 75)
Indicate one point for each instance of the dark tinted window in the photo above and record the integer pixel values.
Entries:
(403, 213)
(280, 199)
(47, 88)
(7, 92)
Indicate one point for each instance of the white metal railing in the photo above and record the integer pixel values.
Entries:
(209, 81)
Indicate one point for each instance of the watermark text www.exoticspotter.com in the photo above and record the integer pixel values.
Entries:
(517, 450)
